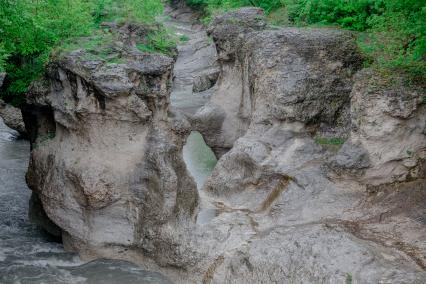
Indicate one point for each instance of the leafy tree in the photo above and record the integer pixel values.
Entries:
(31, 29)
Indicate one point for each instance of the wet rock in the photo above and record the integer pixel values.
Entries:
(106, 158)
(12, 117)
(38, 216)
(196, 68)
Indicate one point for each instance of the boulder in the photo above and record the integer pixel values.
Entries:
(2, 77)
(12, 117)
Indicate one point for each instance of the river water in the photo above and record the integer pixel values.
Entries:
(27, 255)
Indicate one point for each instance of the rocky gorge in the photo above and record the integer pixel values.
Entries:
(108, 173)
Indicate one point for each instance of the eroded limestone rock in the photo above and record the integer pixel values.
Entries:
(106, 159)
(388, 119)
(268, 76)
(196, 68)
(11, 116)
(302, 224)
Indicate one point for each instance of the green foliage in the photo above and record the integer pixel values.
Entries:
(184, 38)
(143, 11)
(397, 39)
(329, 140)
(159, 41)
(348, 278)
(31, 29)
(267, 5)
(350, 14)
(3, 57)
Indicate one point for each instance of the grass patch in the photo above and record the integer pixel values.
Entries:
(348, 278)
(33, 31)
(161, 41)
(337, 141)
(184, 38)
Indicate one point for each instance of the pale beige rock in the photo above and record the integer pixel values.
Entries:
(388, 119)
(106, 161)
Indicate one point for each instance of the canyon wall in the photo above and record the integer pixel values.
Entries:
(281, 96)
(107, 166)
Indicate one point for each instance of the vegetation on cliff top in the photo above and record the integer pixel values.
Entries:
(393, 32)
(30, 30)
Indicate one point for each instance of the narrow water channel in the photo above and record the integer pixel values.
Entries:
(199, 158)
(27, 255)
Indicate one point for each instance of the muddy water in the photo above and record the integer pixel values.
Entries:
(27, 255)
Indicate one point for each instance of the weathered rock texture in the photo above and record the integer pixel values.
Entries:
(286, 210)
(388, 121)
(2, 77)
(275, 75)
(106, 159)
(12, 117)
(308, 215)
